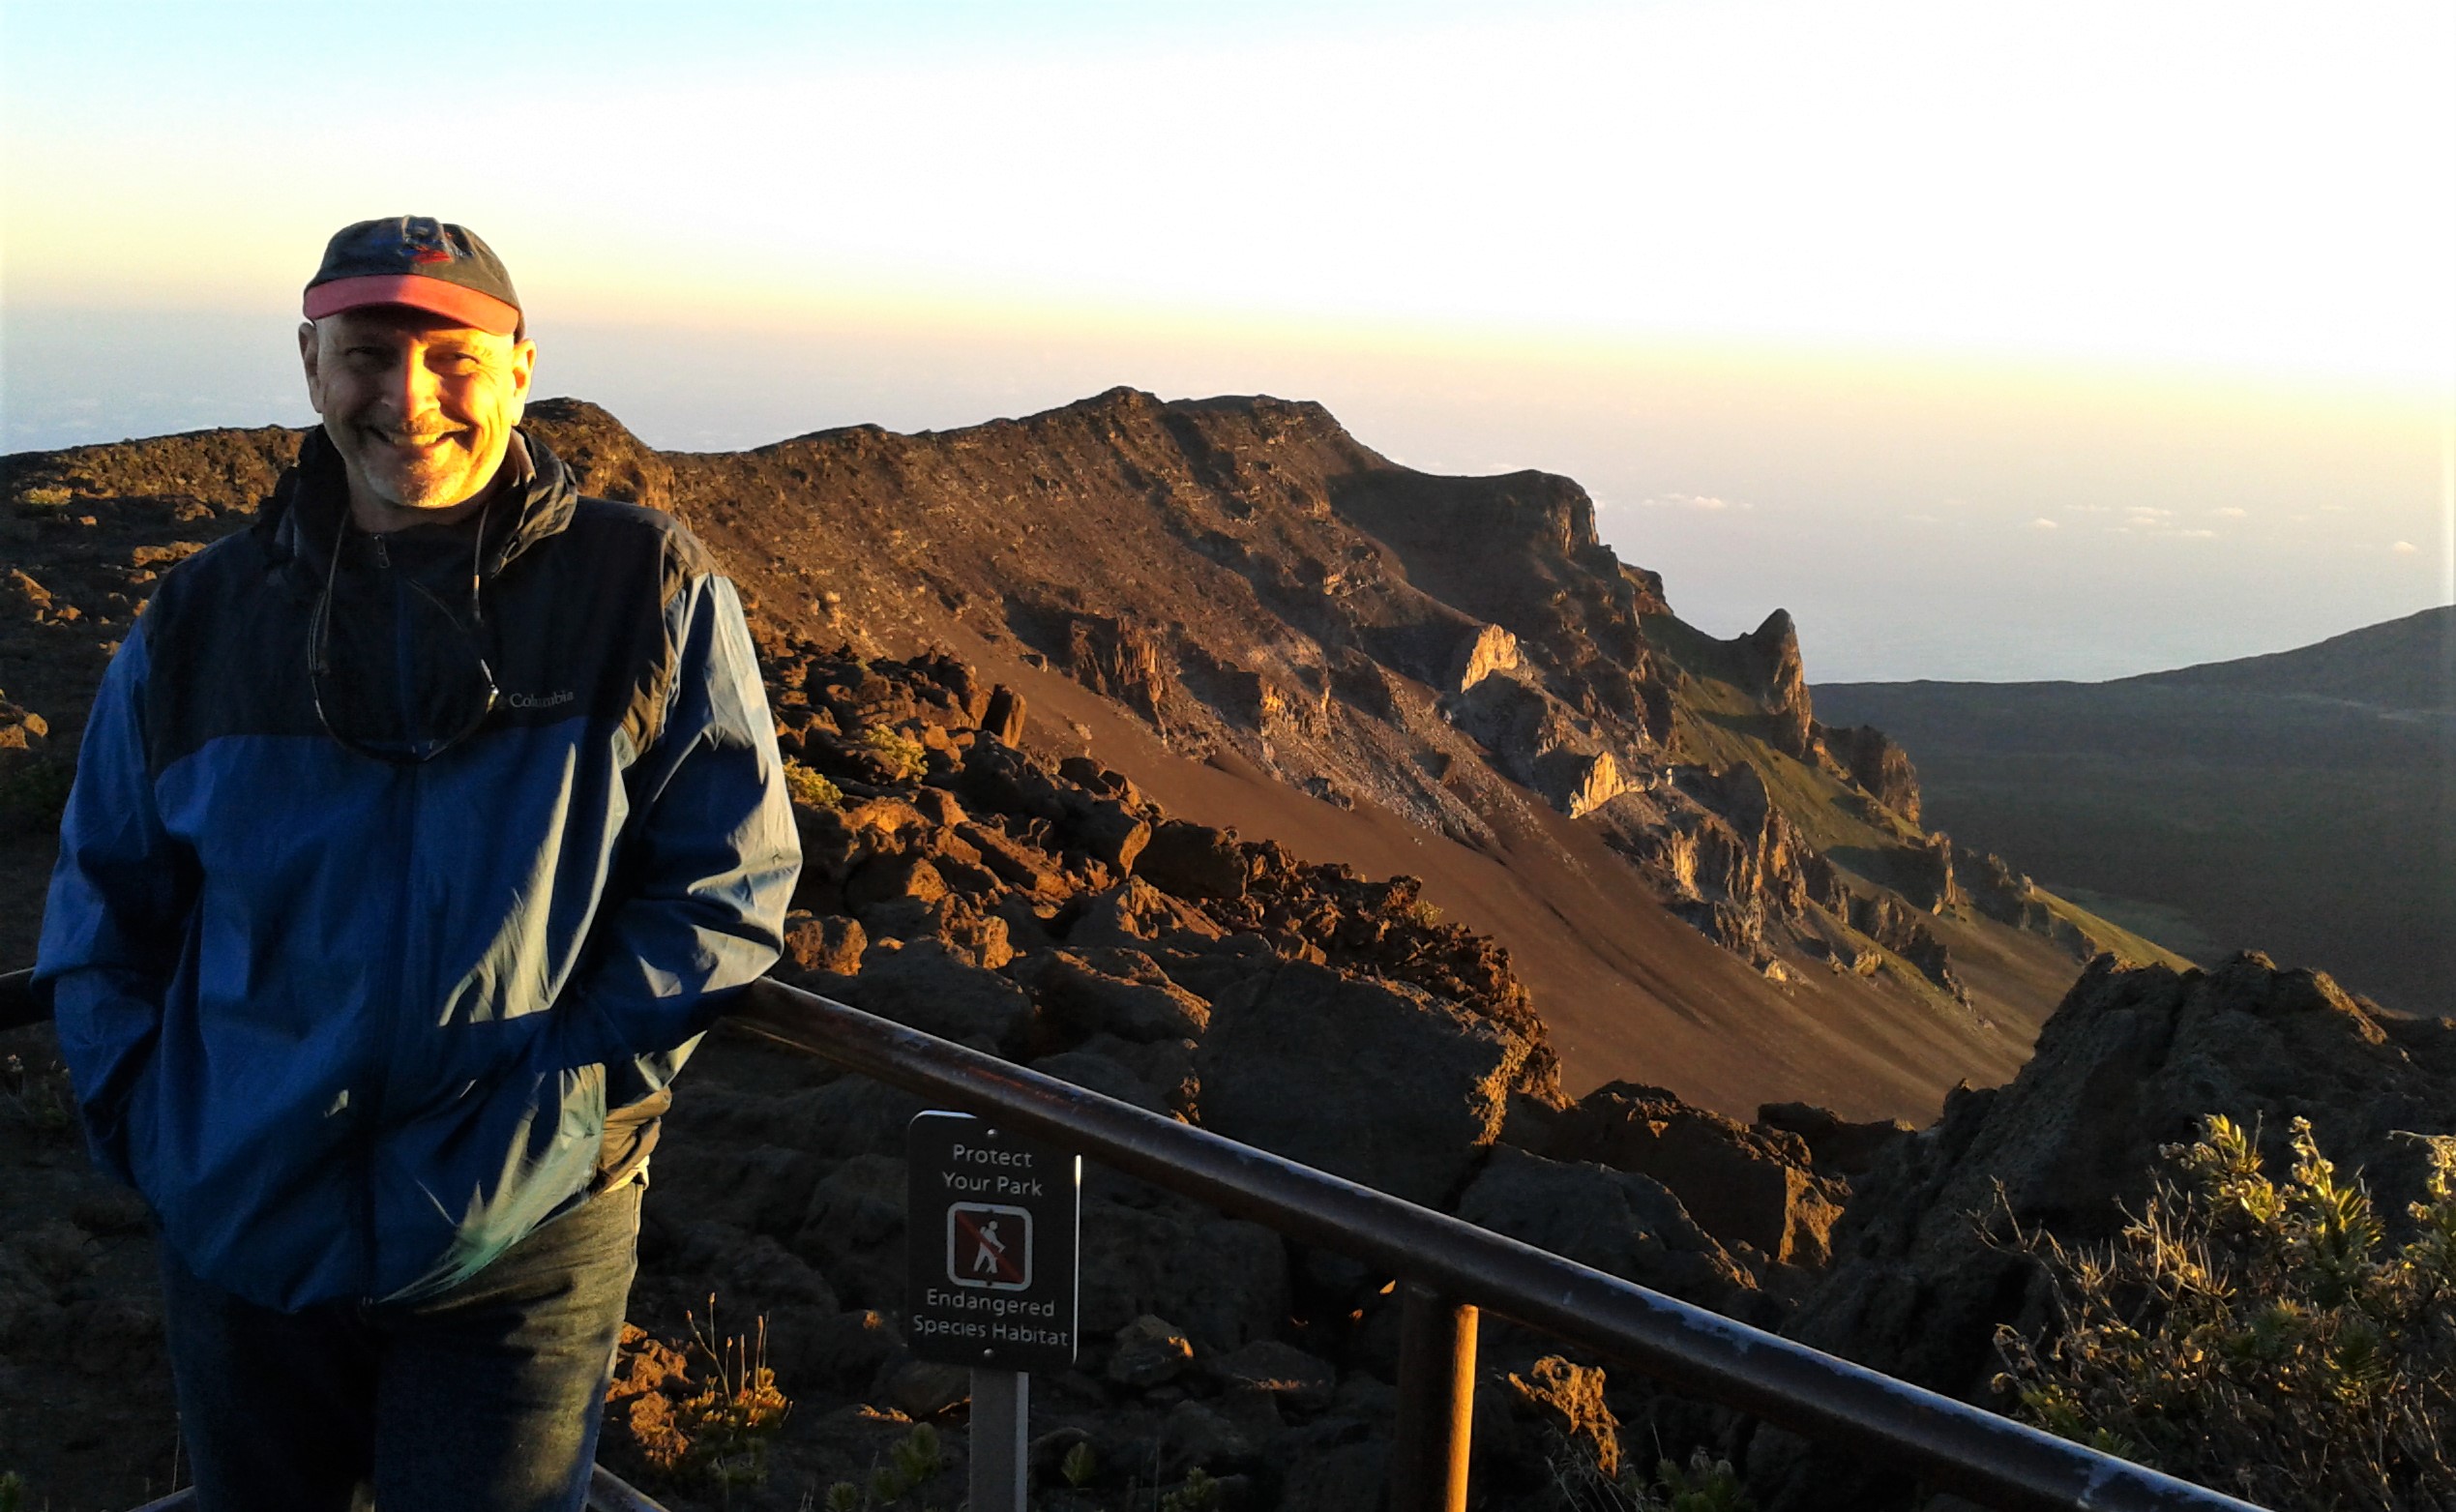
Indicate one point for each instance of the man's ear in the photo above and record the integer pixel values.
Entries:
(523, 369)
(308, 345)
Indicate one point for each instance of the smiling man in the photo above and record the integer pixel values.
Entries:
(418, 832)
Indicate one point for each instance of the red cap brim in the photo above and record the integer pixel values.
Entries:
(475, 310)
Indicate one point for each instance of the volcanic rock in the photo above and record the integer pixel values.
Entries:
(1109, 832)
(1377, 1081)
(1291, 1377)
(1616, 1220)
(1490, 649)
(1834, 1143)
(1147, 1352)
(1882, 769)
(1527, 1420)
(1222, 1281)
(1742, 1186)
(1115, 992)
(854, 1230)
(1195, 862)
(1102, 1074)
(1004, 719)
(928, 987)
(1135, 915)
(1782, 681)
(832, 944)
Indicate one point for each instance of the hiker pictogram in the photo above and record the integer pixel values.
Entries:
(990, 1246)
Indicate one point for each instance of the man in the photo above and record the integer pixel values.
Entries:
(418, 831)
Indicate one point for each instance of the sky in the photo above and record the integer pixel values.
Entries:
(1992, 342)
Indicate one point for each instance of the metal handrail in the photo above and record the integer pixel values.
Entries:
(607, 1493)
(1960, 1447)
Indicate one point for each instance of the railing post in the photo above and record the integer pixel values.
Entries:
(1436, 1402)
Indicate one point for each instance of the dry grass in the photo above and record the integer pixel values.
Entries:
(1581, 1483)
(704, 1413)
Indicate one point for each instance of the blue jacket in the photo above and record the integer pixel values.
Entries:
(354, 1027)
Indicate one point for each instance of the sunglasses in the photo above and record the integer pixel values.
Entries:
(457, 695)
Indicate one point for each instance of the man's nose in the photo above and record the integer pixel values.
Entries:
(413, 385)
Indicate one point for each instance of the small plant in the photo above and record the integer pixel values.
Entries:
(40, 1098)
(912, 1463)
(737, 1409)
(1080, 1466)
(903, 756)
(810, 789)
(44, 499)
(1197, 1493)
(1422, 915)
(2259, 1336)
(1706, 1484)
(12, 1493)
(714, 1428)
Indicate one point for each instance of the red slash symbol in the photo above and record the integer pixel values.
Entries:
(990, 1246)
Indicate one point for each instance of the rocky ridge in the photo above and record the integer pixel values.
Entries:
(1249, 584)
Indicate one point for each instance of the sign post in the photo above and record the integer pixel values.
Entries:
(992, 1225)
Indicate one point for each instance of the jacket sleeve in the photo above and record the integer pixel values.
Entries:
(117, 916)
(711, 858)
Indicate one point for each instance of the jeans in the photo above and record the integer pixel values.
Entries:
(486, 1398)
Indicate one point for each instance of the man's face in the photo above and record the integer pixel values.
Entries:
(421, 409)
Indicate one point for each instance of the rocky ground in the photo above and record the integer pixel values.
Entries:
(1053, 913)
(1535, 900)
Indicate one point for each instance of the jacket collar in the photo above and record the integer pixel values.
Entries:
(311, 499)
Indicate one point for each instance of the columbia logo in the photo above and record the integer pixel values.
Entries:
(541, 700)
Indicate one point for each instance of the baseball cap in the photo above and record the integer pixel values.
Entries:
(419, 261)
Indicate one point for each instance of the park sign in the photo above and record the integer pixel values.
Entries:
(991, 1233)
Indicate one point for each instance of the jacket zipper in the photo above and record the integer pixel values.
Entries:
(384, 1031)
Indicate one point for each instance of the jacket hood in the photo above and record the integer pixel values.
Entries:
(311, 499)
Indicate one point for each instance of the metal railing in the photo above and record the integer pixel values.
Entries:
(1452, 1269)
(607, 1493)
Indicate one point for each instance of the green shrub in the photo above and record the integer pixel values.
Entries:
(1197, 1493)
(2257, 1336)
(902, 756)
(810, 789)
(45, 499)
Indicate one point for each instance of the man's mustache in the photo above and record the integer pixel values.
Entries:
(416, 432)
